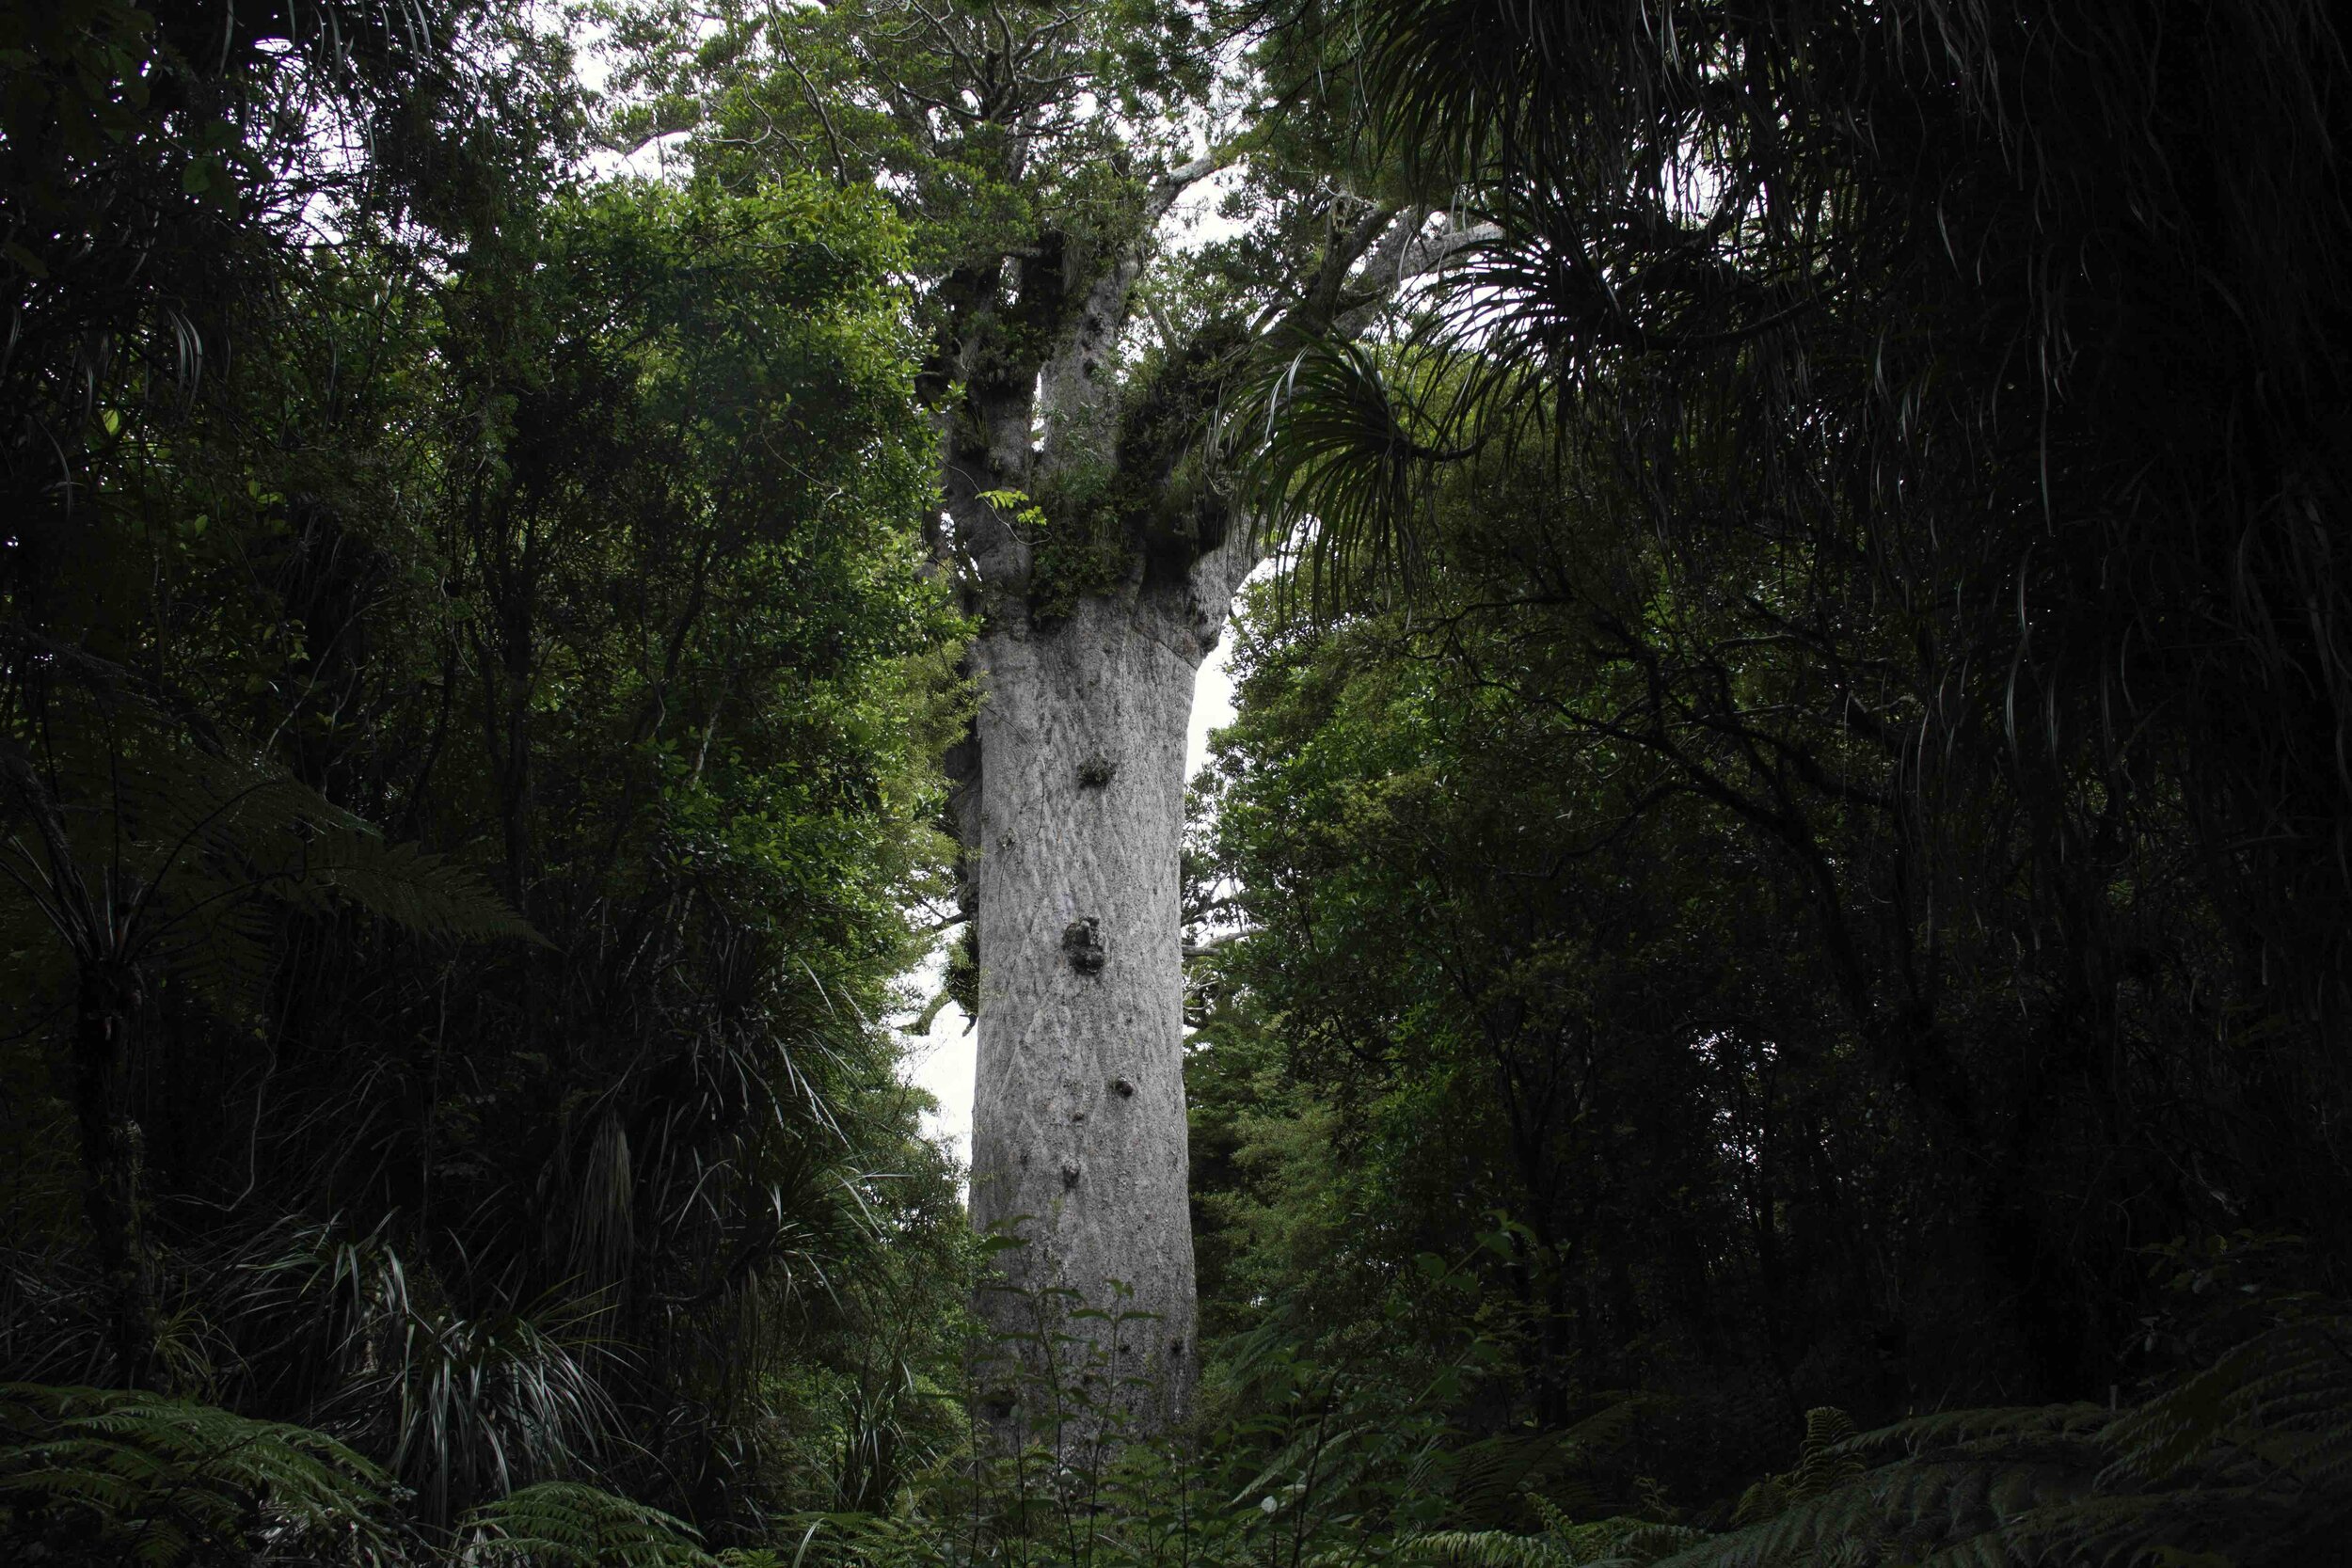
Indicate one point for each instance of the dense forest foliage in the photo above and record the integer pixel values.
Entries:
(1768, 949)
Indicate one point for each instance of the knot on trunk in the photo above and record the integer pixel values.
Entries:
(1096, 771)
(1082, 939)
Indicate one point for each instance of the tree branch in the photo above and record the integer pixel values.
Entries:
(1169, 188)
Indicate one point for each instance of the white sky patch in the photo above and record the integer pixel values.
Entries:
(940, 1062)
(592, 64)
(650, 162)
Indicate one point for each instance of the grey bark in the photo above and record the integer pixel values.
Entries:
(1078, 1123)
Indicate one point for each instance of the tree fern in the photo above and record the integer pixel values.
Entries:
(135, 1478)
(145, 851)
(145, 843)
(400, 882)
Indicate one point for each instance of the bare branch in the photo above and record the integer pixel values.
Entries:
(1166, 328)
(1169, 188)
(1409, 250)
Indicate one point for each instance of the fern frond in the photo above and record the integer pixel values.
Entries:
(154, 1479)
(1619, 1542)
(1489, 1473)
(2242, 1462)
(2281, 1399)
(1554, 1520)
(192, 843)
(560, 1523)
(1626, 1542)
(1824, 1461)
(223, 942)
(1490, 1549)
(1995, 1424)
(1766, 1499)
(400, 882)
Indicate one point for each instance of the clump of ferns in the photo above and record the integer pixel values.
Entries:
(110, 1475)
(106, 1475)
(2247, 1462)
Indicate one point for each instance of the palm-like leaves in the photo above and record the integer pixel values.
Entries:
(465, 1405)
(1331, 438)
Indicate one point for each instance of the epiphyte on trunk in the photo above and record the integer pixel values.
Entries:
(1082, 939)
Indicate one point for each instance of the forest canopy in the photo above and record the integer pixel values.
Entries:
(1763, 968)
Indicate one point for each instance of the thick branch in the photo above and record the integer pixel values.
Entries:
(1169, 188)
(1411, 249)
(1077, 385)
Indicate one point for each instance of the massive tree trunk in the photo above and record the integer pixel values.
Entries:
(1072, 829)
(1089, 533)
